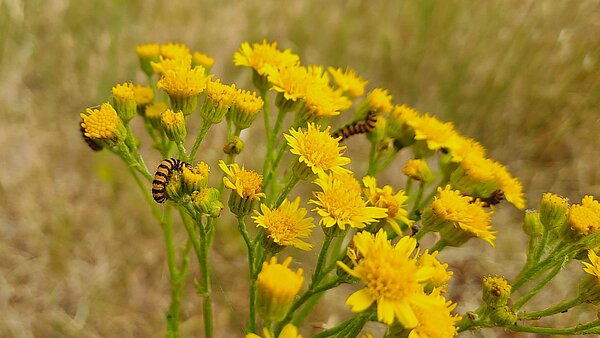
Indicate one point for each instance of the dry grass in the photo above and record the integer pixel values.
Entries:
(81, 256)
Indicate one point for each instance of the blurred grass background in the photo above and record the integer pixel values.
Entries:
(80, 255)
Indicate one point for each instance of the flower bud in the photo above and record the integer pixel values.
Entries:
(503, 315)
(278, 287)
(124, 101)
(418, 170)
(154, 112)
(246, 108)
(195, 178)
(148, 53)
(234, 145)
(532, 225)
(553, 210)
(496, 291)
(174, 125)
(208, 201)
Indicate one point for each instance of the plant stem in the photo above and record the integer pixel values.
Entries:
(286, 190)
(321, 260)
(526, 297)
(438, 246)
(341, 327)
(588, 328)
(182, 153)
(251, 326)
(173, 313)
(558, 308)
(203, 130)
(205, 284)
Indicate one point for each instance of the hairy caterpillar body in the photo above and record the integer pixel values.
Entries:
(164, 170)
(358, 127)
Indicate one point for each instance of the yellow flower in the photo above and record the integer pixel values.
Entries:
(553, 210)
(183, 82)
(401, 124)
(144, 95)
(246, 183)
(262, 56)
(317, 150)
(475, 176)
(584, 218)
(340, 203)
(380, 100)
(510, 186)
(148, 51)
(392, 278)
(464, 147)
(291, 82)
(394, 204)
(246, 108)
(207, 201)
(277, 287)
(417, 169)
(435, 133)
(183, 85)
(103, 124)
(289, 331)
(124, 101)
(458, 218)
(201, 59)
(441, 275)
(286, 225)
(320, 100)
(495, 291)
(195, 178)
(434, 317)
(174, 50)
(154, 113)
(163, 64)
(593, 267)
(348, 81)
(173, 124)
(220, 98)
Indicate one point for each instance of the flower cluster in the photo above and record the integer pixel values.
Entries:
(371, 224)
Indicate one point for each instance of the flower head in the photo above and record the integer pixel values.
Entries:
(148, 53)
(277, 286)
(262, 56)
(173, 124)
(458, 218)
(286, 225)
(393, 279)
(183, 84)
(584, 218)
(144, 95)
(103, 125)
(348, 81)
(246, 183)
(380, 100)
(593, 267)
(320, 100)
(207, 201)
(496, 291)
(317, 149)
(291, 82)
(434, 317)
(174, 50)
(201, 59)
(124, 101)
(509, 185)
(418, 170)
(339, 203)
(195, 178)
(435, 133)
(220, 98)
(441, 275)
(246, 108)
(395, 204)
(553, 210)
(154, 113)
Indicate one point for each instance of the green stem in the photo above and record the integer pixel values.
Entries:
(340, 328)
(251, 326)
(173, 313)
(558, 308)
(267, 115)
(182, 152)
(438, 246)
(417, 198)
(125, 154)
(528, 274)
(526, 297)
(372, 168)
(271, 139)
(273, 167)
(205, 285)
(588, 328)
(286, 190)
(203, 130)
(321, 260)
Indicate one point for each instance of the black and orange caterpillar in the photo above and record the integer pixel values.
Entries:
(357, 127)
(164, 170)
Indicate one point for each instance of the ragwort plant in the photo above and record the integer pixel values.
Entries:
(371, 232)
